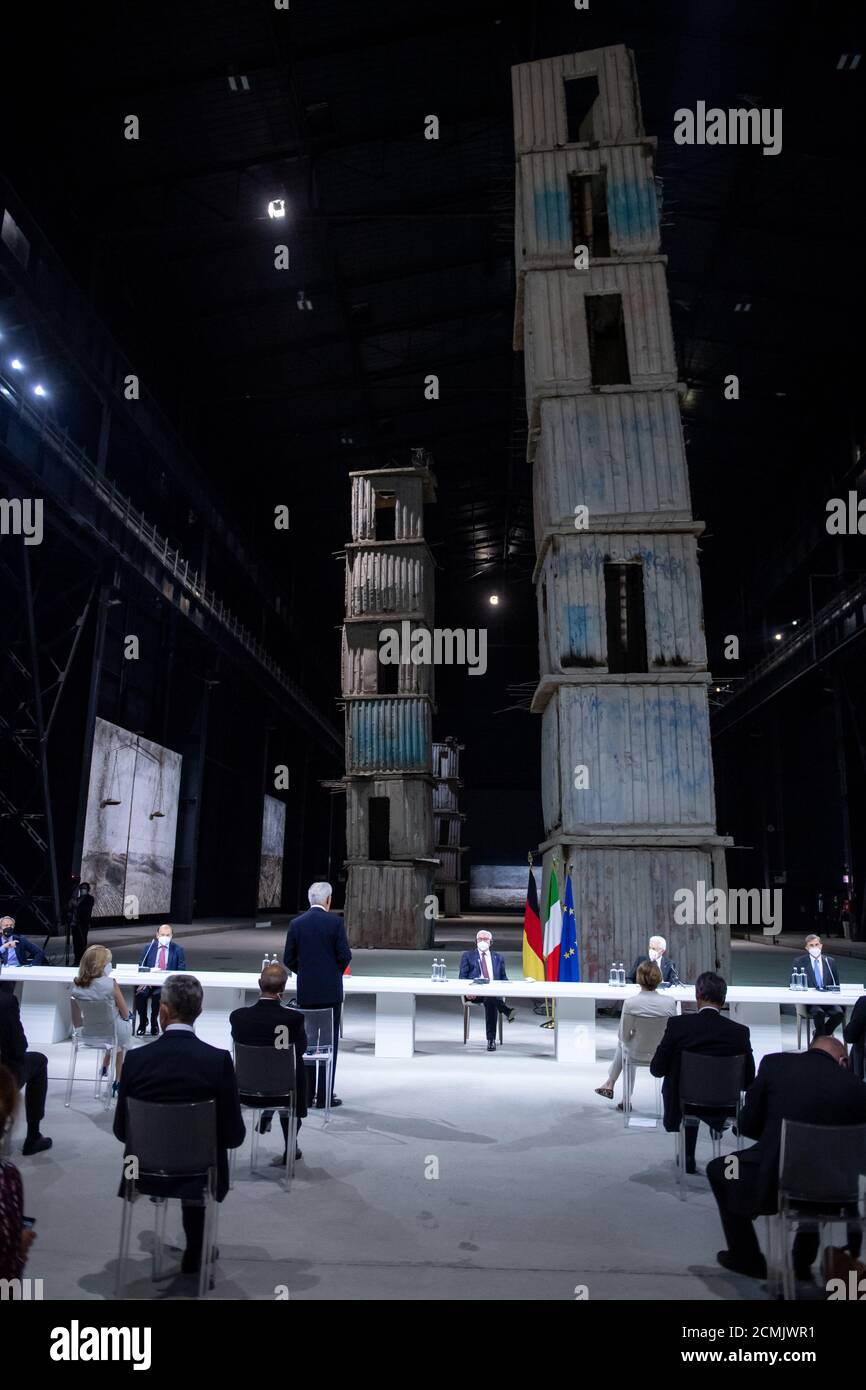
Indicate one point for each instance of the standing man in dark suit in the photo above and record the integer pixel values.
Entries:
(705, 1032)
(180, 1068)
(162, 953)
(486, 964)
(268, 1023)
(317, 951)
(657, 947)
(30, 1070)
(813, 1087)
(821, 973)
(79, 913)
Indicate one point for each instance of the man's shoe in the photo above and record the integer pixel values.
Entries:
(691, 1166)
(264, 1124)
(320, 1104)
(37, 1145)
(510, 1015)
(758, 1270)
(279, 1161)
(140, 1032)
(491, 1046)
(154, 1030)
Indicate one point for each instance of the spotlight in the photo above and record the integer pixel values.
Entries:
(39, 390)
(17, 364)
(778, 636)
(493, 600)
(277, 207)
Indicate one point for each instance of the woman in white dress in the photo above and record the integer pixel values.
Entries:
(648, 1004)
(93, 984)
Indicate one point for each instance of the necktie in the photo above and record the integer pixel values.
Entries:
(484, 965)
(160, 964)
(819, 974)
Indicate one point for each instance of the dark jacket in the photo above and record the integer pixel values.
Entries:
(706, 1032)
(180, 1067)
(28, 953)
(806, 1086)
(828, 966)
(175, 958)
(855, 1028)
(13, 1042)
(667, 967)
(317, 951)
(257, 1026)
(470, 966)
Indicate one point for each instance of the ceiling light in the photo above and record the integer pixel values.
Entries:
(493, 600)
(778, 636)
(17, 364)
(277, 207)
(39, 390)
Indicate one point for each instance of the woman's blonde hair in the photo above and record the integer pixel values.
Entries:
(93, 964)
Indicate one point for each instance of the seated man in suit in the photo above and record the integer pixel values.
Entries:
(813, 1087)
(317, 951)
(706, 1032)
(15, 949)
(854, 1034)
(268, 1023)
(657, 948)
(821, 973)
(486, 964)
(180, 1068)
(30, 1070)
(162, 953)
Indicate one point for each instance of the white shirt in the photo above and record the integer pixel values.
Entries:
(180, 1028)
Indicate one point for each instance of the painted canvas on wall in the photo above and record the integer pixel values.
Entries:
(273, 843)
(131, 824)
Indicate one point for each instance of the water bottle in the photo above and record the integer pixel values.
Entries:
(613, 977)
(265, 962)
(621, 974)
(795, 980)
(804, 983)
(443, 971)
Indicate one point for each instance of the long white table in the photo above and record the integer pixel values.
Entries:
(45, 1014)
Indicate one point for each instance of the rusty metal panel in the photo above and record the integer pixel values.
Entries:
(556, 339)
(544, 235)
(386, 906)
(613, 453)
(388, 735)
(647, 751)
(539, 98)
(624, 896)
(572, 626)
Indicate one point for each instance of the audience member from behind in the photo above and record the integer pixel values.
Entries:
(648, 1004)
(814, 1088)
(179, 1068)
(712, 1035)
(30, 1070)
(15, 1239)
(267, 1023)
(93, 984)
(854, 1034)
(317, 951)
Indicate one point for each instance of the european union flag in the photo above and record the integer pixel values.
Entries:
(569, 956)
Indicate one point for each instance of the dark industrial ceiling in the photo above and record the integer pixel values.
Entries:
(403, 248)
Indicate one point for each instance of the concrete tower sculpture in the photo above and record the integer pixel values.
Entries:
(389, 710)
(627, 780)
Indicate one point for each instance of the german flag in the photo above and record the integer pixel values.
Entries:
(533, 958)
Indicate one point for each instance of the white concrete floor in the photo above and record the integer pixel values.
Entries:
(539, 1189)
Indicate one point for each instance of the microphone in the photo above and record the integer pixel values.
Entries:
(826, 961)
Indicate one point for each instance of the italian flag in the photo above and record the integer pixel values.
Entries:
(552, 929)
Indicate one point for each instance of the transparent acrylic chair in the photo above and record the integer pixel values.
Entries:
(707, 1084)
(319, 1026)
(267, 1081)
(641, 1036)
(93, 1025)
(169, 1145)
(821, 1172)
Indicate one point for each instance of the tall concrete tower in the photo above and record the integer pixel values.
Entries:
(627, 779)
(389, 710)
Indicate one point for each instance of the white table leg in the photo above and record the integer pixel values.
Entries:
(44, 1012)
(395, 1025)
(212, 1024)
(764, 1022)
(575, 1030)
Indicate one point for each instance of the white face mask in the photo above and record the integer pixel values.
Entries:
(107, 970)
(164, 940)
(654, 954)
(814, 952)
(484, 945)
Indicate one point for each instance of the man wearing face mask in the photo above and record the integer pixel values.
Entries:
(821, 973)
(485, 964)
(162, 953)
(657, 948)
(15, 949)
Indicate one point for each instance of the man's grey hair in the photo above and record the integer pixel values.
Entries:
(7, 919)
(658, 940)
(319, 893)
(183, 995)
(483, 932)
